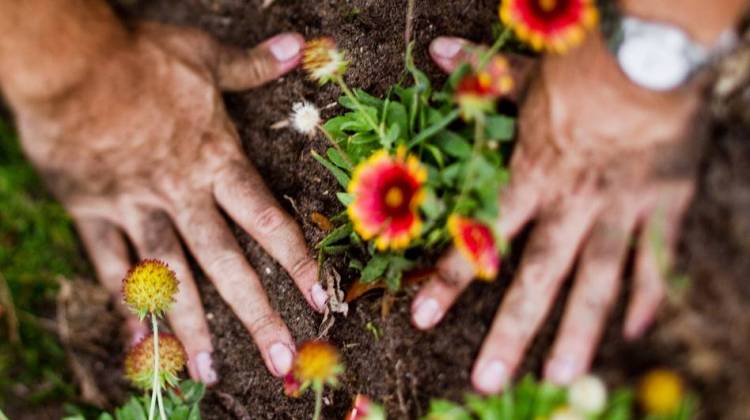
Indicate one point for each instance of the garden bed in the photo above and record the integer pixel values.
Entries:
(705, 337)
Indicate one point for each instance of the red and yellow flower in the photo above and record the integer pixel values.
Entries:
(478, 91)
(322, 61)
(550, 25)
(387, 193)
(476, 243)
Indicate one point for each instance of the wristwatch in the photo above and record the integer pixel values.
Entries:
(660, 56)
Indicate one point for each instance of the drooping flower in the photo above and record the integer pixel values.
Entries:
(387, 193)
(305, 118)
(322, 61)
(149, 287)
(317, 362)
(588, 395)
(476, 242)
(661, 392)
(550, 25)
(478, 91)
(365, 409)
(139, 362)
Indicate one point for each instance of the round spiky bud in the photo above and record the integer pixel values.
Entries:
(139, 362)
(322, 61)
(149, 287)
(317, 362)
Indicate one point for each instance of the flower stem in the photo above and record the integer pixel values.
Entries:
(360, 108)
(476, 150)
(335, 145)
(156, 391)
(318, 400)
(499, 42)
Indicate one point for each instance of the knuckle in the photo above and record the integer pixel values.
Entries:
(270, 219)
(226, 262)
(263, 323)
(304, 268)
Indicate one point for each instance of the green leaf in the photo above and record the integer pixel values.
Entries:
(132, 410)
(335, 249)
(391, 136)
(340, 176)
(395, 272)
(436, 154)
(396, 114)
(335, 124)
(367, 99)
(500, 127)
(458, 74)
(336, 157)
(375, 268)
(356, 265)
(345, 198)
(434, 129)
(453, 144)
(446, 410)
(336, 235)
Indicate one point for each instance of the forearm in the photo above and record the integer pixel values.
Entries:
(49, 45)
(704, 20)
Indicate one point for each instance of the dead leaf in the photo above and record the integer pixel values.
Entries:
(321, 221)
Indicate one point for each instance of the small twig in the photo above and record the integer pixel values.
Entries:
(409, 22)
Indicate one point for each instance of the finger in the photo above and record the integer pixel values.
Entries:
(546, 260)
(452, 276)
(154, 237)
(241, 192)
(451, 52)
(596, 288)
(518, 203)
(217, 251)
(109, 254)
(238, 69)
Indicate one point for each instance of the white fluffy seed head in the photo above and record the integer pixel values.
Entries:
(305, 117)
(587, 395)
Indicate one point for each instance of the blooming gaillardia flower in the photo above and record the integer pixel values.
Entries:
(550, 25)
(387, 192)
(139, 362)
(149, 287)
(477, 244)
(478, 91)
(317, 362)
(322, 61)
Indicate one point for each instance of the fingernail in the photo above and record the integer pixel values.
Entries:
(319, 296)
(446, 47)
(205, 368)
(562, 370)
(426, 313)
(491, 377)
(285, 47)
(281, 358)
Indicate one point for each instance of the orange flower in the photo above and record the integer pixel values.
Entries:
(317, 362)
(322, 61)
(139, 362)
(475, 241)
(477, 92)
(550, 25)
(387, 193)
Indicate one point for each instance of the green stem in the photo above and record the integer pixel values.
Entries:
(335, 145)
(349, 94)
(499, 42)
(156, 384)
(318, 401)
(478, 146)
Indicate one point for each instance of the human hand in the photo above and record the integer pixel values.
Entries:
(599, 162)
(142, 145)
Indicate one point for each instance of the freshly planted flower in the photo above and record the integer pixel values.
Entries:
(588, 395)
(477, 244)
(387, 192)
(316, 365)
(149, 287)
(322, 61)
(139, 362)
(365, 409)
(477, 92)
(661, 392)
(305, 118)
(550, 25)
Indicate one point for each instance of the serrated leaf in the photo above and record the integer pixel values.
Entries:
(375, 268)
(340, 175)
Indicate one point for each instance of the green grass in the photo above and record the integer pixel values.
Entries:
(37, 244)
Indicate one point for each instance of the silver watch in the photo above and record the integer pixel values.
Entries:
(660, 56)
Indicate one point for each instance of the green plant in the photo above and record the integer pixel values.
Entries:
(419, 168)
(585, 399)
(316, 365)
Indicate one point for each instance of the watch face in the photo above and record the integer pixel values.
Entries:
(655, 57)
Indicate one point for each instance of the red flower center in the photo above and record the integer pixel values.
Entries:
(551, 16)
(396, 190)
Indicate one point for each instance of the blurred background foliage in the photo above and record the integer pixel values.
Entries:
(37, 245)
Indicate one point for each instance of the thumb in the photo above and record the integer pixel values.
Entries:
(238, 69)
(451, 52)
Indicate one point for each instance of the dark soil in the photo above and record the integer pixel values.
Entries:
(705, 336)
